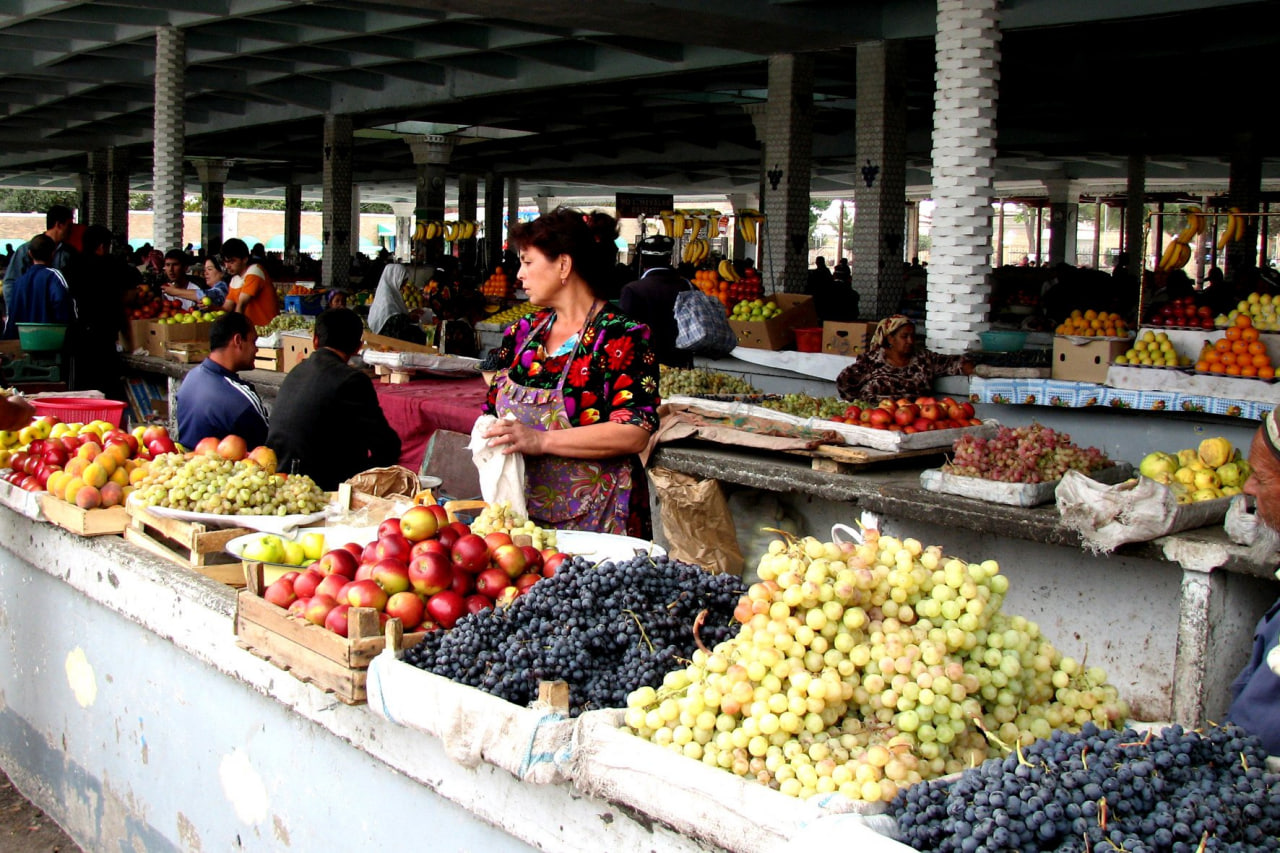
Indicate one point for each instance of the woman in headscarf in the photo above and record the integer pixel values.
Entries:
(893, 368)
(387, 301)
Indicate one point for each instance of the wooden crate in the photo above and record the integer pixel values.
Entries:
(188, 352)
(387, 344)
(187, 543)
(269, 358)
(310, 653)
(111, 521)
(841, 459)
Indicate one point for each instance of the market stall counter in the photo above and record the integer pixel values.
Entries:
(1172, 619)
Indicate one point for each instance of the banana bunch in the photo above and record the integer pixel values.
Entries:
(749, 224)
(698, 222)
(1234, 232)
(1195, 224)
(727, 272)
(428, 229)
(695, 251)
(1179, 251)
(672, 222)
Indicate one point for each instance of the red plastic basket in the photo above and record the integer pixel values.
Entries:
(80, 409)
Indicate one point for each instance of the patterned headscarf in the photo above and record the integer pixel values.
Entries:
(1271, 431)
(887, 327)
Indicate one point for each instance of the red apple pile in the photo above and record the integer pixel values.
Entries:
(1182, 313)
(423, 569)
(911, 416)
(82, 467)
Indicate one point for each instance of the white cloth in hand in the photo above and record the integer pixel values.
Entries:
(501, 475)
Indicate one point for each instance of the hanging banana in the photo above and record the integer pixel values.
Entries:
(1235, 229)
(727, 271)
(420, 231)
(431, 231)
(1195, 224)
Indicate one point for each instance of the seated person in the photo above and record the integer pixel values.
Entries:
(327, 423)
(40, 295)
(212, 400)
(892, 368)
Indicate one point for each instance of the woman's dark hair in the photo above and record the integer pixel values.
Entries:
(587, 238)
(216, 260)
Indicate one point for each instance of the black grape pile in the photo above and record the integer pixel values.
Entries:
(605, 629)
(1104, 790)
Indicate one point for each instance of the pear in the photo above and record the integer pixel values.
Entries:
(1185, 476)
(1215, 451)
(1229, 474)
(1157, 464)
(1204, 495)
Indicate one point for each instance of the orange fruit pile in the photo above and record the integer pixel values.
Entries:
(710, 282)
(1239, 352)
(497, 286)
(1093, 324)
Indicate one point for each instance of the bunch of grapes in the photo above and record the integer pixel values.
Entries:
(606, 629)
(676, 381)
(1031, 454)
(807, 406)
(861, 669)
(286, 322)
(216, 485)
(1104, 790)
(498, 517)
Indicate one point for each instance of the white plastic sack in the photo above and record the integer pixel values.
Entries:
(699, 801)
(473, 726)
(501, 475)
(1107, 517)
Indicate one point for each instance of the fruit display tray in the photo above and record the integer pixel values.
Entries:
(310, 653)
(110, 521)
(188, 543)
(21, 501)
(1011, 494)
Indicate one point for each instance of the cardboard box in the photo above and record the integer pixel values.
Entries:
(11, 348)
(777, 333)
(1086, 362)
(162, 336)
(846, 338)
(296, 349)
(137, 335)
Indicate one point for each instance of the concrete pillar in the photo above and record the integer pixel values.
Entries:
(167, 179)
(431, 155)
(404, 229)
(213, 181)
(96, 211)
(493, 236)
(740, 249)
(1245, 192)
(1064, 217)
(292, 220)
(84, 191)
(513, 205)
(336, 266)
(788, 160)
(880, 188)
(118, 193)
(913, 230)
(1134, 220)
(468, 200)
(354, 245)
(967, 47)
(546, 203)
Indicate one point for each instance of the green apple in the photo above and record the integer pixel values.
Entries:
(1157, 463)
(266, 549)
(293, 554)
(313, 545)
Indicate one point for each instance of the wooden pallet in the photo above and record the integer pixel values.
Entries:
(111, 521)
(845, 459)
(187, 543)
(310, 653)
(396, 375)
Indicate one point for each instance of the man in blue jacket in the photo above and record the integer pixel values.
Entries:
(40, 295)
(213, 400)
(1255, 704)
(57, 222)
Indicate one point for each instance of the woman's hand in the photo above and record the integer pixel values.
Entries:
(966, 367)
(515, 437)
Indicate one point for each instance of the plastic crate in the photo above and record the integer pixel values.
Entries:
(80, 409)
(296, 303)
(41, 337)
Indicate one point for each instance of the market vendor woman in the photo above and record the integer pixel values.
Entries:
(892, 368)
(580, 379)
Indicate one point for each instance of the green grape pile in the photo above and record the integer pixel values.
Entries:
(497, 517)
(215, 485)
(863, 669)
(805, 406)
(676, 381)
(287, 323)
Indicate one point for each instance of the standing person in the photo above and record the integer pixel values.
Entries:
(832, 299)
(651, 299)
(188, 288)
(1255, 694)
(892, 368)
(580, 381)
(327, 423)
(41, 294)
(251, 292)
(99, 281)
(57, 224)
(213, 400)
(842, 273)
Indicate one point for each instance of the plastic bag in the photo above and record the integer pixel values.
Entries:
(501, 475)
(702, 326)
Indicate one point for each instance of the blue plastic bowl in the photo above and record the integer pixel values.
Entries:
(1003, 341)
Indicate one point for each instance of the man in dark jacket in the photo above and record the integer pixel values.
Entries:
(651, 299)
(1255, 694)
(98, 281)
(327, 423)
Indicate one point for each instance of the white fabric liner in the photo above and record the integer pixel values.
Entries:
(1011, 494)
(281, 525)
(1140, 510)
(447, 366)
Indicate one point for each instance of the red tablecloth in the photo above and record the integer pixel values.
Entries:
(417, 409)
